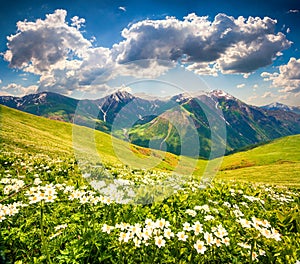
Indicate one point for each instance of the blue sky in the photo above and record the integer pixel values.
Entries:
(249, 49)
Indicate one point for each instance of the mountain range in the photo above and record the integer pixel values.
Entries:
(173, 124)
(278, 106)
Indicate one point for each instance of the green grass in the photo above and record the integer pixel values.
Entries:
(277, 162)
(49, 214)
(23, 132)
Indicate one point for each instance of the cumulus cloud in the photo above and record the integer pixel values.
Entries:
(66, 61)
(288, 77)
(39, 46)
(203, 68)
(240, 85)
(77, 22)
(235, 45)
(17, 89)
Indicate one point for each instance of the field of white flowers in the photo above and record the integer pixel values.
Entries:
(49, 213)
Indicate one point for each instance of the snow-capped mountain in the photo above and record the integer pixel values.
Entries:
(245, 124)
(280, 106)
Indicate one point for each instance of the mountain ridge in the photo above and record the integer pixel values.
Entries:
(279, 106)
(140, 120)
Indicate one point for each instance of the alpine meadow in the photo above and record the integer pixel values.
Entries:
(150, 132)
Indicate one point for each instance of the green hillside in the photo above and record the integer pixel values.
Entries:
(22, 132)
(276, 163)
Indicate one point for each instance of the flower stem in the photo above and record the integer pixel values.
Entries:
(43, 239)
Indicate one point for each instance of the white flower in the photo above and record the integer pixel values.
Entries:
(149, 223)
(146, 234)
(37, 181)
(244, 245)
(123, 237)
(137, 242)
(254, 255)
(266, 232)
(275, 234)
(265, 223)
(221, 232)
(2, 217)
(159, 241)
(190, 212)
(106, 228)
(238, 213)
(35, 199)
(197, 228)
(226, 241)
(187, 226)
(50, 198)
(209, 238)
(204, 208)
(136, 229)
(168, 233)
(263, 253)
(181, 236)
(199, 246)
(208, 218)
(84, 199)
(161, 223)
(244, 222)
(123, 226)
(227, 204)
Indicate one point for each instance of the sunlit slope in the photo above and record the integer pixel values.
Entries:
(24, 132)
(277, 162)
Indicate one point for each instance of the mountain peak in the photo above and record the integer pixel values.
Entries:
(278, 106)
(121, 95)
(221, 93)
(181, 98)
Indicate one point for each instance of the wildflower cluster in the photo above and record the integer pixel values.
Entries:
(10, 209)
(80, 224)
(263, 226)
(12, 185)
(45, 193)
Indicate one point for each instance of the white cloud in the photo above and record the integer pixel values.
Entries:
(268, 95)
(288, 77)
(77, 22)
(0, 81)
(246, 75)
(67, 61)
(290, 99)
(235, 45)
(241, 85)
(203, 68)
(253, 98)
(293, 11)
(39, 46)
(122, 8)
(17, 89)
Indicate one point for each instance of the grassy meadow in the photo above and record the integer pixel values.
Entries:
(49, 213)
